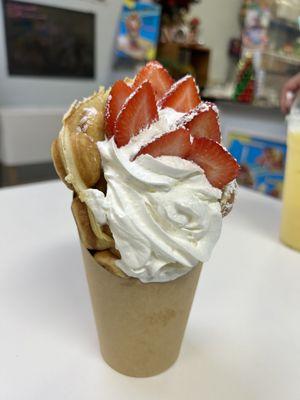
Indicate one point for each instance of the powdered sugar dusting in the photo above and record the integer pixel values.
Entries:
(107, 108)
(201, 108)
(88, 113)
(87, 119)
(216, 110)
(228, 197)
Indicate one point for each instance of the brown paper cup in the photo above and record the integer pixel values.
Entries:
(140, 325)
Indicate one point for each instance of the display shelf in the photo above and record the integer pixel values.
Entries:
(283, 23)
(282, 57)
(280, 60)
(257, 104)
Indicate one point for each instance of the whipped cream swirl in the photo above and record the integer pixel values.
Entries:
(164, 215)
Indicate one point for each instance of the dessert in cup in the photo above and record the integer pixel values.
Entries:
(151, 183)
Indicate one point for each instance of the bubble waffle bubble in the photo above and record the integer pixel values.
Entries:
(58, 163)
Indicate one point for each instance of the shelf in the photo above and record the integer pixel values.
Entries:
(258, 104)
(285, 24)
(283, 58)
(274, 72)
(194, 47)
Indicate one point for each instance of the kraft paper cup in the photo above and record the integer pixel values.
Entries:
(140, 325)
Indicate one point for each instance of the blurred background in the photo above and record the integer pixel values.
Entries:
(240, 51)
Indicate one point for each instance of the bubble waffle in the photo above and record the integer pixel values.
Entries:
(77, 163)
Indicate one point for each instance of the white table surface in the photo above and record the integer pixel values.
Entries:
(243, 337)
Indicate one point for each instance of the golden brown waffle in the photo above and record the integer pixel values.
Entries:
(87, 236)
(108, 261)
(82, 128)
(77, 163)
(58, 163)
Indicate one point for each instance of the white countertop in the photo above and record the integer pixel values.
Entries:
(243, 337)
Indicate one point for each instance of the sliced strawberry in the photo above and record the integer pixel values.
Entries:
(138, 111)
(219, 166)
(118, 94)
(175, 143)
(203, 121)
(183, 95)
(157, 75)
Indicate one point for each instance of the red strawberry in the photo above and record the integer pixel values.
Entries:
(183, 95)
(219, 166)
(203, 121)
(138, 111)
(118, 94)
(159, 78)
(176, 143)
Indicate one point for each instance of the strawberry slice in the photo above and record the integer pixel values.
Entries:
(118, 94)
(183, 95)
(157, 75)
(138, 111)
(219, 166)
(175, 143)
(203, 121)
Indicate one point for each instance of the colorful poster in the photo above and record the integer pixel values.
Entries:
(138, 31)
(262, 162)
(256, 22)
